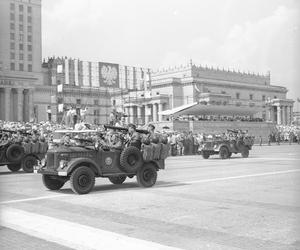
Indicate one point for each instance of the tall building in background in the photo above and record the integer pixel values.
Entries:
(20, 57)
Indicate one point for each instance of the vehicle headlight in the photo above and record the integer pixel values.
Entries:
(63, 163)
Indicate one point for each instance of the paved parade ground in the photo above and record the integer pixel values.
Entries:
(236, 203)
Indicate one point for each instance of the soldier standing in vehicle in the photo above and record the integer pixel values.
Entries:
(152, 136)
(134, 137)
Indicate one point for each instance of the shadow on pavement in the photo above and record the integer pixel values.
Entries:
(125, 187)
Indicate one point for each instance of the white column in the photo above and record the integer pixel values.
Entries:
(155, 112)
(127, 113)
(7, 92)
(20, 104)
(279, 115)
(131, 115)
(30, 104)
(288, 116)
(146, 114)
(160, 109)
(139, 115)
(291, 114)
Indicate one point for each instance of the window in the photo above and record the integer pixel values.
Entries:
(12, 6)
(12, 36)
(12, 66)
(21, 27)
(237, 95)
(12, 55)
(21, 66)
(275, 97)
(12, 16)
(251, 96)
(223, 92)
(29, 57)
(29, 9)
(12, 45)
(21, 18)
(29, 47)
(29, 28)
(96, 102)
(29, 19)
(21, 56)
(21, 7)
(263, 97)
(95, 112)
(29, 38)
(21, 47)
(78, 101)
(12, 26)
(21, 37)
(29, 68)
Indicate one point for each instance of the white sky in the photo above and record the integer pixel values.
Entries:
(254, 35)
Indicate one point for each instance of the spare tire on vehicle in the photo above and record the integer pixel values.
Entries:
(15, 153)
(131, 159)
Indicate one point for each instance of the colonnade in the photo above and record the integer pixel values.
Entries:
(281, 114)
(143, 114)
(16, 104)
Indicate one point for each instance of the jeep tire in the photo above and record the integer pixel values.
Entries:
(51, 182)
(147, 175)
(28, 163)
(82, 180)
(131, 160)
(15, 153)
(224, 152)
(205, 154)
(14, 167)
(117, 180)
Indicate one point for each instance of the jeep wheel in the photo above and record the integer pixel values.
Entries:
(28, 163)
(224, 152)
(15, 153)
(205, 154)
(245, 152)
(147, 175)
(117, 179)
(14, 167)
(131, 159)
(52, 182)
(82, 180)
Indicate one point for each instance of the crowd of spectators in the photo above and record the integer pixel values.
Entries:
(216, 118)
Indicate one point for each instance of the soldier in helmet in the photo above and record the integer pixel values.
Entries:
(134, 137)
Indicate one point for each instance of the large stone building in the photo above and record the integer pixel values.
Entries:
(20, 57)
(197, 90)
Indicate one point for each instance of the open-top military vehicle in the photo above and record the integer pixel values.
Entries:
(21, 154)
(80, 164)
(225, 147)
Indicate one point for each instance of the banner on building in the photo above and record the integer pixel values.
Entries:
(60, 88)
(109, 74)
(59, 68)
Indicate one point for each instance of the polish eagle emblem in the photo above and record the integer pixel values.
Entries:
(109, 74)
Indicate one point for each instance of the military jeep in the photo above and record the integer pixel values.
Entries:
(226, 147)
(82, 164)
(16, 155)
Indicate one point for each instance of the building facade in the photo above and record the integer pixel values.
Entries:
(179, 86)
(20, 57)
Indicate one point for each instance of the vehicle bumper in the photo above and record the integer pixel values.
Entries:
(43, 170)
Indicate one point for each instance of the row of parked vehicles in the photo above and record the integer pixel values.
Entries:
(81, 164)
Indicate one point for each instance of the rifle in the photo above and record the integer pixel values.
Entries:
(83, 140)
(141, 131)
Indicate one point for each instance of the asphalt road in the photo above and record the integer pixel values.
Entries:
(237, 203)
